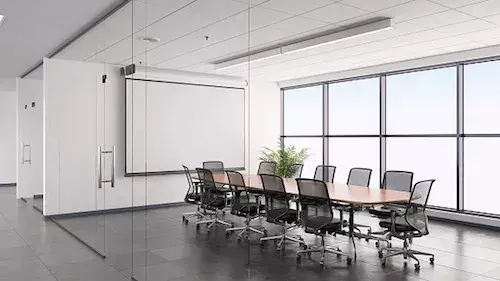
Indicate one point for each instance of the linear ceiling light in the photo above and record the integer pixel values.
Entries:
(1, 19)
(349, 33)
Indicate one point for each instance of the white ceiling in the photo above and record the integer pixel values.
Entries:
(421, 28)
(34, 28)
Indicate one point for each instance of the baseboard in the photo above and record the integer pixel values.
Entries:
(8, 184)
(464, 219)
(118, 210)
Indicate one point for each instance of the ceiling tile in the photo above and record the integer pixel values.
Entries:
(482, 35)
(372, 6)
(456, 3)
(482, 9)
(251, 2)
(411, 10)
(335, 13)
(466, 27)
(298, 25)
(493, 19)
(260, 17)
(441, 19)
(296, 7)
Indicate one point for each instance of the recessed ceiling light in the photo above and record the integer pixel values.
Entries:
(149, 39)
(1, 19)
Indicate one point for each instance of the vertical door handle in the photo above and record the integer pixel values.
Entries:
(99, 169)
(22, 153)
(113, 167)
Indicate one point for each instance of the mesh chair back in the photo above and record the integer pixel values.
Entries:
(276, 198)
(191, 187)
(415, 211)
(267, 168)
(209, 192)
(325, 173)
(315, 203)
(241, 197)
(297, 170)
(359, 177)
(214, 166)
(398, 180)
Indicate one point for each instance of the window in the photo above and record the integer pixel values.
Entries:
(303, 111)
(315, 148)
(354, 107)
(427, 158)
(422, 102)
(482, 98)
(347, 153)
(481, 188)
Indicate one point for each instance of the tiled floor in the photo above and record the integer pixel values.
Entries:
(157, 246)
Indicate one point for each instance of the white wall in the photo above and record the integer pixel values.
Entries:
(264, 109)
(396, 66)
(8, 136)
(30, 132)
(70, 117)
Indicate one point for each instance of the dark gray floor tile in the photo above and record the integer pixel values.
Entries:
(468, 264)
(128, 261)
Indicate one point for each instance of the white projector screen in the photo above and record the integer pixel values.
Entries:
(173, 124)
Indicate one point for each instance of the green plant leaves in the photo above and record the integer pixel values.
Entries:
(285, 157)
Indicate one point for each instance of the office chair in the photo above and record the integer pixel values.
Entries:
(324, 173)
(278, 210)
(192, 197)
(212, 198)
(357, 177)
(317, 217)
(214, 166)
(297, 170)
(244, 205)
(267, 168)
(217, 167)
(393, 180)
(412, 224)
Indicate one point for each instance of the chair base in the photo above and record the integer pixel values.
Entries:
(323, 250)
(212, 222)
(281, 239)
(244, 230)
(406, 252)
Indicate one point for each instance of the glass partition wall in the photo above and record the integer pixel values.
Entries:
(439, 122)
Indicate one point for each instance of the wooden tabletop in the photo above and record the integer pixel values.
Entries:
(351, 194)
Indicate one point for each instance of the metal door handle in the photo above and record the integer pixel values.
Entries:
(113, 168)
(99, 170)
(22, 153)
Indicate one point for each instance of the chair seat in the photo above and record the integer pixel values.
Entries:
(192, 198)
(317, 222)
(400, 224)
(242, 210)
(289, 216)
(346, 207)
(385, 212)
(219, 203)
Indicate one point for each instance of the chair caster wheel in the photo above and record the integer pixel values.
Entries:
(265, 233)
(349, 261)
(383, 263)
(367, 239)
(262, 244)
(183, 218)
(405, 265)
(227, 234)
(417, 267)
(303, 246)
(186, 221)
(238, 240)
(431, 260)
(380, 254)
(298, 259)
(377, 244)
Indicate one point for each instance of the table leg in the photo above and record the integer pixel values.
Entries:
(351, 228)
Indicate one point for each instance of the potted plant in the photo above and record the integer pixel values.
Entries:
(285, 157)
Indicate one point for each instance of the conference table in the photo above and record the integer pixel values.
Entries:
(338, 192)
